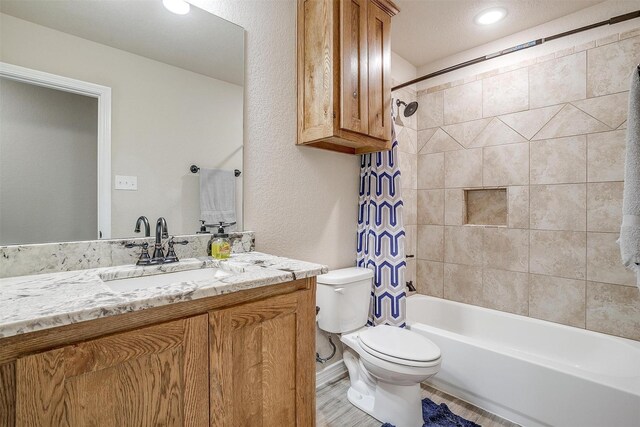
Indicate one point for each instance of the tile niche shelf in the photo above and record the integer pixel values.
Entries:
(486, 206)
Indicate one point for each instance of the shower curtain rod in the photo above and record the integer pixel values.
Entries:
(614, 20)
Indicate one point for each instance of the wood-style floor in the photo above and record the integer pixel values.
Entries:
(334, 410)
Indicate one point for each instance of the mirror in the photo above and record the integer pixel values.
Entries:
(104, 107)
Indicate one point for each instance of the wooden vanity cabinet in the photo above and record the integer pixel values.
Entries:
(260, 354)
(344, 74)
(241, 359)
(147, 377)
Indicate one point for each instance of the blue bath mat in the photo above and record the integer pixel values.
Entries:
(440, 416)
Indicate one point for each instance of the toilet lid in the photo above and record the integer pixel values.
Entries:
(389, 342)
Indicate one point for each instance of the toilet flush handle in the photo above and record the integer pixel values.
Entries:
(339, 290)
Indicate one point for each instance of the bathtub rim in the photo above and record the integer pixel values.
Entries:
(629, 384)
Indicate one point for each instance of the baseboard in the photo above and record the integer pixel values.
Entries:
(330, 373)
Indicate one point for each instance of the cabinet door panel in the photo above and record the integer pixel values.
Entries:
(354, 115)
(151, 376)
(7, 395)
(149, 393)
(315, 70)
(278, 349)
(246, 371)
(262, 366)
(379, 51)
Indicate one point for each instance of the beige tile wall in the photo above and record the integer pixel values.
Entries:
(486, 207)
(552, 132)
(432, 210)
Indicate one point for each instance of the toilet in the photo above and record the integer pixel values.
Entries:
(386, 364)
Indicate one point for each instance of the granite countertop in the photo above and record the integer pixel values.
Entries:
(37, 302)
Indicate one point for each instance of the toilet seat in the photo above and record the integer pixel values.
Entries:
(398, 345)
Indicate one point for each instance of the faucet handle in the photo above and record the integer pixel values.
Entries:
(130, 245)
(171, 253)
(144, 259)
(172, 241)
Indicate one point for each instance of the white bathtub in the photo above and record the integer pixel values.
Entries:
(529, 371)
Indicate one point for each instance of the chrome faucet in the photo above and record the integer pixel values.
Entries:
(161, 232)
(143, 219)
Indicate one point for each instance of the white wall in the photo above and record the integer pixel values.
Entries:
(600, 12)
(302, 202)
(41, 197)
(401, 69)
(164, 119)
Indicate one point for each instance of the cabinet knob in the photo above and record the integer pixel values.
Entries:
(355, 94)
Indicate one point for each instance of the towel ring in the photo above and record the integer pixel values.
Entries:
(195, 169)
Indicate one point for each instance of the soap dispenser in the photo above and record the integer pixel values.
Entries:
(219, 245)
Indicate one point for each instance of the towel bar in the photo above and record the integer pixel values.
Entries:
(195, 169)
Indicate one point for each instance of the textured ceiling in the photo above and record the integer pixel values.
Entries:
(427, 30)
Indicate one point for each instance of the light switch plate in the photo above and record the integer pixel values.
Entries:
(126, 182)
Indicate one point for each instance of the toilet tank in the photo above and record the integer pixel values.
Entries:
(343, 297)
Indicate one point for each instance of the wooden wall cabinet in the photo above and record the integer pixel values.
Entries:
(244, 361)
(344, 74)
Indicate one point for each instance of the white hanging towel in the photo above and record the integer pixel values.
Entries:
(217, 196)
(630, 229)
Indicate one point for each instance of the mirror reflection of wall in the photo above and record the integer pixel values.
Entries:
(48, 157)
(177, 95)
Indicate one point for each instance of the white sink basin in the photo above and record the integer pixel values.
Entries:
(164, 279)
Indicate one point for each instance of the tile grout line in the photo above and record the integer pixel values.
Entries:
(529, 233)
(444, 220)
(534, 274)
(586, 217)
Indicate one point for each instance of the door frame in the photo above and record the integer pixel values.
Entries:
(103, 95)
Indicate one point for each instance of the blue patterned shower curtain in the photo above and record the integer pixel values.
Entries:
(381, 234)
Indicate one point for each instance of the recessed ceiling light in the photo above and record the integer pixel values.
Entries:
(179, 7)
(490, 16)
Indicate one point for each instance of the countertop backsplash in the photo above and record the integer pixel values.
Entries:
(20, 260)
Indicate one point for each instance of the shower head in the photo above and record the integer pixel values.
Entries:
(409, 109)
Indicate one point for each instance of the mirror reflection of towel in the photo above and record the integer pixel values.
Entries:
(217, 196)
